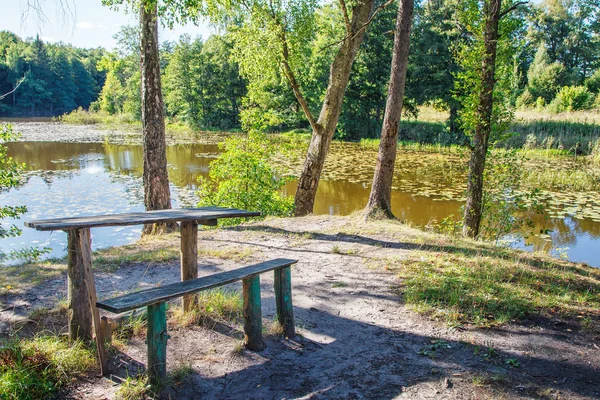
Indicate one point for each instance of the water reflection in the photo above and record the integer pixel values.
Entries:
(70, 179)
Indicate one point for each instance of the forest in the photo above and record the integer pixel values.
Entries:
(552, 64)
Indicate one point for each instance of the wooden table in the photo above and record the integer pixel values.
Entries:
(83, 314)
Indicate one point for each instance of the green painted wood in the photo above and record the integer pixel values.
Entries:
(253, 338)
(283, 301)
(157, 343)
(155, 295)
(204, 216)
(80, 259)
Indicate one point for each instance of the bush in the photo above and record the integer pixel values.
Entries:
(243, 177)
(593, 82)
(572, 98)
(525, 100)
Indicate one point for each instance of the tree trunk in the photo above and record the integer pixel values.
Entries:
(483, 128)
(381, 190)
(324, 128)
(157, 195)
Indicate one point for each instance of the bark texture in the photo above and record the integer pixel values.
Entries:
(157, 195)
(483, 128)
(381, 190)
(80, 259)
(324, 128)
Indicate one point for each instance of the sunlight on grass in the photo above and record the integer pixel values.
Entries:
(36, 368)
(490, 287)
(220, 304)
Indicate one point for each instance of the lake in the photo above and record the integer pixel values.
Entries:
(67, 179)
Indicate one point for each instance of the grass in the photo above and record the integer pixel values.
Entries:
(18, 277)
(492, 286)
(220, 304)
(38, 367)
(135, 388)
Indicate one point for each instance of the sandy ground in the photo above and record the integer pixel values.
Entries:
(357, 339)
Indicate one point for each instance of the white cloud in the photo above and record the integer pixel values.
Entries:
(85, 25)
(102, 26)
(48, 39)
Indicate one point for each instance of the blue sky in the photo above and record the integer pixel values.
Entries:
(83, 23)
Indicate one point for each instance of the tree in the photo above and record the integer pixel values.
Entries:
(381, 190)
(483, 112)
(432, 65)
(157, 195)
(544, 77)
(365, 98)
(324, 126)
(570, 31)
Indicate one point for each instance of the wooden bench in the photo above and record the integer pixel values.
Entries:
(81, 288)
(155, 300)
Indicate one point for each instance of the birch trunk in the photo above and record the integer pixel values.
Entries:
(325, 126)
(381, 190)
(157, 194)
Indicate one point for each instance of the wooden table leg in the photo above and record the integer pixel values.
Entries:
(82, 293)
(189, 259)
(79, 255)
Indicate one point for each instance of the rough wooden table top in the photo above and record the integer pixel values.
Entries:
(139, 218)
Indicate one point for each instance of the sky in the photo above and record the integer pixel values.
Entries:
(83, 23)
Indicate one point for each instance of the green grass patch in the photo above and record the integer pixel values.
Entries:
(220, 304)
(36, 368)
(135, 388)
(494, 286)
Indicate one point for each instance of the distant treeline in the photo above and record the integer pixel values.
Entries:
(218, 83)
(50, 79)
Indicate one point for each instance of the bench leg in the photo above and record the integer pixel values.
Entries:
(283, 300)
(253, 338)
(157, 343)
(189, 259)
(80, 311)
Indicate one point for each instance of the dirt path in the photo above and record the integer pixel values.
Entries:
(357, 339)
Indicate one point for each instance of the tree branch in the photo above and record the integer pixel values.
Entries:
(346, 17)
(512, 8)
(352, 35)
(16, 87)
(291, 77)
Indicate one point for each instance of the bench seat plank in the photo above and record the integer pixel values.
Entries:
(139, 218)
(155, 295)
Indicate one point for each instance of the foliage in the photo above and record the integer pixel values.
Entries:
(10, 175)
(545, 78)
(469, 77)
(58, 78)
(505, 201)
(202, 84)
(569, 30)
(243, 177)
(572, 98)
(593, 82)
(35, 368)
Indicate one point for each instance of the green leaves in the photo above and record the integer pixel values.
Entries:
(243, 177)
(10, 175)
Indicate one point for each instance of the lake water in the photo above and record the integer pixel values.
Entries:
(75, 179)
